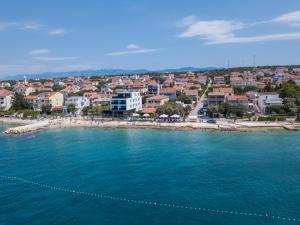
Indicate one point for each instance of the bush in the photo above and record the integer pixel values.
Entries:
(28, 113)
(272, 118)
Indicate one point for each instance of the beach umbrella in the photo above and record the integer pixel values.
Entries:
(163, 116)
(146, 115)
(175, 116)
(135, 115)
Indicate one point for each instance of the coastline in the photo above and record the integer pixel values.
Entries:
(241, 126)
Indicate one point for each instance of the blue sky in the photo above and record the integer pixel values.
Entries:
(64, 35)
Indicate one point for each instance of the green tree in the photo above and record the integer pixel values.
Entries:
(19, 102)
(182, 97)
(71, 108)
(46, 109)
(86, 110)
(171, 108)
(289, 90)
(29, 113)
(290, 106)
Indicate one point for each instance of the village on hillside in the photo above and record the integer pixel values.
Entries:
(253, 94)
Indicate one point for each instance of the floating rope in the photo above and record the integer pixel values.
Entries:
(153, 203)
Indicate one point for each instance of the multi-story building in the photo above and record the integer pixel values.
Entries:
(126, 101)
(79, 102)
(268, 99)
(55, 99)
(32, 100)
(5, 99)
(153, 87)
(219, 95)
(170, 92)
(219, 80)
(238, 100)
(156, 101)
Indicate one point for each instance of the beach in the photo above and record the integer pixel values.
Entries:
(220, 125)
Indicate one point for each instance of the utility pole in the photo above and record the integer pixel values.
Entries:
(254, 61)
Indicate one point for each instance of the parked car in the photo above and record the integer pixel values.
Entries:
(211, 121)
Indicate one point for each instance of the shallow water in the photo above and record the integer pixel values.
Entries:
(245, 172)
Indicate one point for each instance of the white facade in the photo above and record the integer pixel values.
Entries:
(5, 99)
(268, 99)
(125, 101)
(79, 102)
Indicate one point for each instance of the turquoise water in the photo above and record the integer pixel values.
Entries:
(244, 172)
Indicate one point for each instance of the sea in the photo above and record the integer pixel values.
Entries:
(149, 177)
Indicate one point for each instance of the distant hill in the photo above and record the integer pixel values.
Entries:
(104, 72)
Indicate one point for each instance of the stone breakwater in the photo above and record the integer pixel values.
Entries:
(28, 128)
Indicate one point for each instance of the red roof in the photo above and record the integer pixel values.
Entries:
(149, 110)
(168, 90)
(157, 97)
(5, 93)
(31, 97)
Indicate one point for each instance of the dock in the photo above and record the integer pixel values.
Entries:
(28, 128)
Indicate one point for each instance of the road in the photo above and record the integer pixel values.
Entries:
(199, 105)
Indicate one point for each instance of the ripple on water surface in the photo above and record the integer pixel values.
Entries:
(244, 172)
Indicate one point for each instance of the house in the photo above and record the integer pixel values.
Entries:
(80, 102)
(153, 87)
(32, 100)
(55, 99)
(219, 80)
(137, 87)
(5, 85)
(126, 101)
(102, 99)
(268, 99)
(296, 70)
(156, 101)
(70, 89)
(238, 100)
(106, 89)
(151, 111)
(193, 93)
(23, 89)
(170, 92)
(169, 83)
(5, 99)
(219, 95)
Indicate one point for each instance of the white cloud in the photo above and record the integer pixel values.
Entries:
(133, 49)
(49, 58)
(39, 51)
(259, 38)
(214, 30)
(292, 18)
(31, 26)
(224, 31)
(186, 21)
(132, 46)
(57, 31)
(5, 25)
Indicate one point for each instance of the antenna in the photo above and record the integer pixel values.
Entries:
(228, 64)
(254, 61)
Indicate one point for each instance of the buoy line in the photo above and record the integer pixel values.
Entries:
(153, 203)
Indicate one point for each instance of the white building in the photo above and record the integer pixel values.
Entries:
(268, 99)
(79, 102)
(5, 99)
(126, 101)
